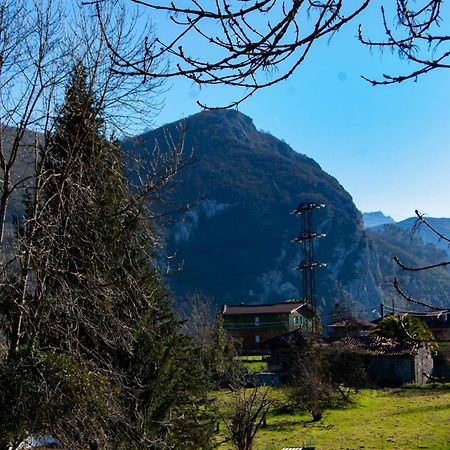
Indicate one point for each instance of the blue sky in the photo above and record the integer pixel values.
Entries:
(387, 146)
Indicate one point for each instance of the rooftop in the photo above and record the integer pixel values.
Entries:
(351, 322)
(374, 345)
(378, 345)
(298, 338)
(285, 307)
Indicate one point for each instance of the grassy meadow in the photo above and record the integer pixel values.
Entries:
(407, 418)
(254, 363)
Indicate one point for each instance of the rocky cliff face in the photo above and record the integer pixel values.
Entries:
(234, 244)
(234, 241)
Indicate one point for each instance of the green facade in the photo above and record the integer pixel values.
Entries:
(251, 329)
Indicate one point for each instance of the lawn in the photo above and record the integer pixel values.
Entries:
(379, 419)
(254, 363)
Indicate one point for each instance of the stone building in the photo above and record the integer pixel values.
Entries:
(387, 362)
(390, 362)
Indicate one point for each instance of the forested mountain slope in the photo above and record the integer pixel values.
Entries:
(234, 243)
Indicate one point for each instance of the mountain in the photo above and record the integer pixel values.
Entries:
(441, 224)
(430, 286)
(21, 176)
(414, 228)
(234, 243)
(377, 218)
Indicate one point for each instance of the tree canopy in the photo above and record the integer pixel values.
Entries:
(405, 328)
(93, 354)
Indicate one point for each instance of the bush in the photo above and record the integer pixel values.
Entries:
(326, 378)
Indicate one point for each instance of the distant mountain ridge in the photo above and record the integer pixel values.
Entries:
(234, 244)
(376, 218)
(376, 221)
(442, 224)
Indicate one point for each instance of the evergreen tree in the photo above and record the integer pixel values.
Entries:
(92, 332)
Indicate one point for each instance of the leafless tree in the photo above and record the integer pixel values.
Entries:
(29, 72)
(251, 44)
(311, 387)
(249, 408)
(39, 43)
(414, 29)
(256, 44)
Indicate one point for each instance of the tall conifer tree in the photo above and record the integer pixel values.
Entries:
(95, 324)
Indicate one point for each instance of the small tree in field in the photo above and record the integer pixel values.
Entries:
(325, 377)
(249, 410)
(311, 387)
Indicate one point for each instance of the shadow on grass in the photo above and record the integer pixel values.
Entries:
(414, 390)
(282, 425)
(420, 409)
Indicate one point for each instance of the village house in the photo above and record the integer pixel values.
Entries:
(391, 362)
(387, 361)
(350, 326)
(438, 322)
(251, 325)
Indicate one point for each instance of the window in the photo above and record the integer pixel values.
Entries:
(296, 321)
(257, 321)
(257, 339)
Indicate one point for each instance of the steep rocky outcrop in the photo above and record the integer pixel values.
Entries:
(234, 243)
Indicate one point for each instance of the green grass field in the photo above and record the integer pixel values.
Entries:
(254, 363)
(414, 418)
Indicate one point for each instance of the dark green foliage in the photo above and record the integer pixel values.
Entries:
(172, 388)
(347, 369)
(46, 391)
(405, 328)
(215, 349)
(88, 317)
(225, 368)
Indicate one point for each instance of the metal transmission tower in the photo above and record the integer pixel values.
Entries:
(308, 264)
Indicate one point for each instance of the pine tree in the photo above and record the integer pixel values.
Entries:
(94, 336)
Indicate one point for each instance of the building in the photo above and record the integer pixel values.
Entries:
(387, 362)
(250, 325)
(438, 322)
(349, 326)
(390, 362)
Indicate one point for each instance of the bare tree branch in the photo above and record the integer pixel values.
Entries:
(405, 296)
(416, 36)
(251, 45)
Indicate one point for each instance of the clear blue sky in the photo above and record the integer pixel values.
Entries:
(387, 146)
